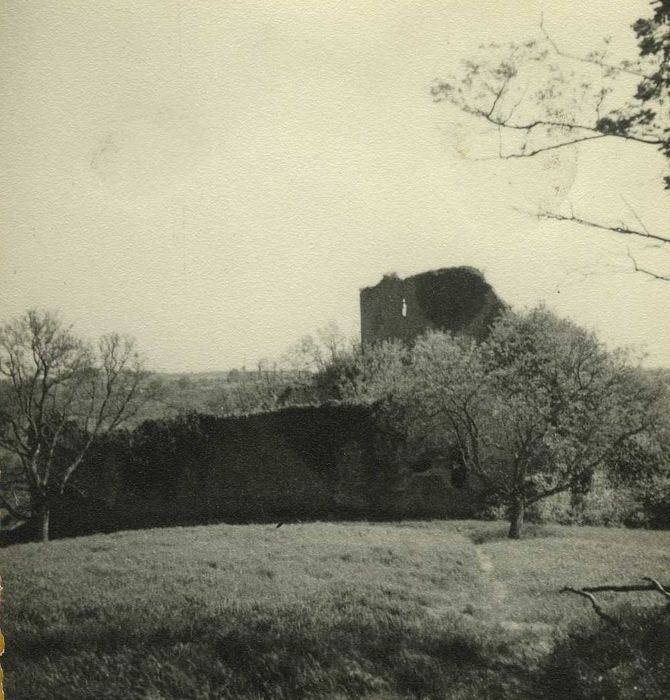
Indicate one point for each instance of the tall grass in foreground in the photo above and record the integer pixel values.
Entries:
(306, 611)
(241, 612)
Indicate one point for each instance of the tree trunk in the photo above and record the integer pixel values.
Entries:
(43, 523)
(516, 519)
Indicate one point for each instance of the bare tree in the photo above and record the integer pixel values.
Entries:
(59, 394)
(540, 98)
(310, 355)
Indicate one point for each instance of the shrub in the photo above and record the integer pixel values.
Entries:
(604, 504)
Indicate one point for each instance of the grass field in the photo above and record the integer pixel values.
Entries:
(408, 610)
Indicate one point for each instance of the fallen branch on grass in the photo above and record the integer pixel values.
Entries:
(589, 596)
(654, 585)
(588, 591)
(663, 590)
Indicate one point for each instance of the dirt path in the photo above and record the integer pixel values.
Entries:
(538, 636)
(499, 591)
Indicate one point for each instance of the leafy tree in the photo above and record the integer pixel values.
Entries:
(59, 394)
(642, 466)
(255, 391)
(540, 98)
(367, 373)
(532, 411)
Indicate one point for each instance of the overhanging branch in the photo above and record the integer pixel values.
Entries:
(649, 273)
(620, 229)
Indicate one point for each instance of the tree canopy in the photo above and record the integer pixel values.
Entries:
(531, 412)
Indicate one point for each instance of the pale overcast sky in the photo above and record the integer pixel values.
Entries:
(220, 178)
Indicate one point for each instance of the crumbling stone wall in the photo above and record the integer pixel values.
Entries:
(456, 299)
(298, 463)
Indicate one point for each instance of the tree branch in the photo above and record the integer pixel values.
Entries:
(548, 123)
(621, 229)
(663, 590)
(592, 61)
(649, 273)
(588, 591)
(596, 607)
(654, 585)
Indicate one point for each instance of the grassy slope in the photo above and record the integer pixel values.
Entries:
(534, 569)
(319, 610)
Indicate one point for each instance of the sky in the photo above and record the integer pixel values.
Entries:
(218, 179)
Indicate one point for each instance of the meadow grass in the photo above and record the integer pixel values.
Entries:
(321, 610)
(533, 570)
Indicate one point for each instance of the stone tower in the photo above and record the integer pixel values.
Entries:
(456, 299)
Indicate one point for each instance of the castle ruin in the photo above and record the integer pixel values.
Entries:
(456, 299)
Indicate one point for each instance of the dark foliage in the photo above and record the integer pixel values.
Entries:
(607, 662)
(459, 299)
(653, 36)
(299, 463)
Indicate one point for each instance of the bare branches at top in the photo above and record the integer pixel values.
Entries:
(545, 104)
(540, 98)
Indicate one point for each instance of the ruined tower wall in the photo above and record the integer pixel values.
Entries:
(456, 299)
